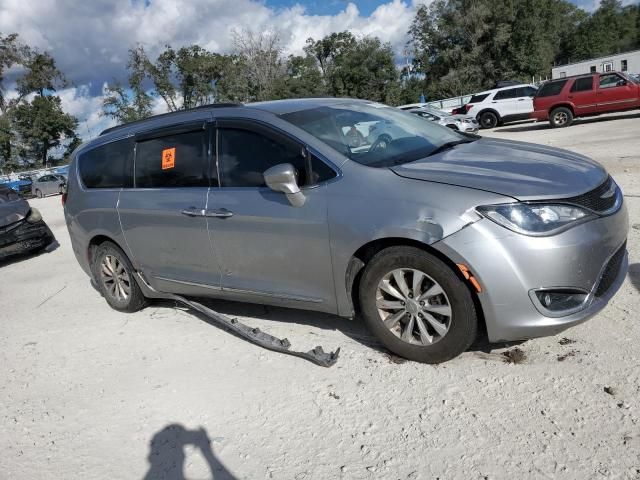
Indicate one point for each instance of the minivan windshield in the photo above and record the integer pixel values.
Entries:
(374, 134)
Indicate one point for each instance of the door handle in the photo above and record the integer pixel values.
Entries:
(192, 212)
(218, 213)
(521, 99)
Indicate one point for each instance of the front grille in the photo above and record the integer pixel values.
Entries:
(611, 271)
(593, 200)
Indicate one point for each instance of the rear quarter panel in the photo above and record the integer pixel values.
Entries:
(90, 213)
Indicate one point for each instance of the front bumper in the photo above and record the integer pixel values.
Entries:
(509, 266)
(23, 237)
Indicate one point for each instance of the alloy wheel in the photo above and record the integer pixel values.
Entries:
(560, 118)
(115, 278)
(413, 306)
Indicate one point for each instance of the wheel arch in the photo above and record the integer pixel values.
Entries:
(488, 109)
(565, 105)
(98, 240)
(366, 252)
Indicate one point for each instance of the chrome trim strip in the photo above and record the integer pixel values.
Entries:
(272, 295)
(184, 282)
(241, 291)
(629, 100)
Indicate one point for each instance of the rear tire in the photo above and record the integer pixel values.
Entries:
(561, 117)
(412, 330)
(114, 275)
(488, 120)
(39, 194)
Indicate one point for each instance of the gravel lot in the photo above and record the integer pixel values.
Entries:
(86, 392)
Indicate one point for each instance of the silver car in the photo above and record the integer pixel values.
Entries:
(48, 184)
(429, 237)
(462, 123)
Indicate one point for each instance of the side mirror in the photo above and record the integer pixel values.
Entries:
(282, 178)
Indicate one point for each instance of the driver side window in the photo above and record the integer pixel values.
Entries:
(245, 154)
(610, 81)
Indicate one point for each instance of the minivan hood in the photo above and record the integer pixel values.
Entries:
(524, 171)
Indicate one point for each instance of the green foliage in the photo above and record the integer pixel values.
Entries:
(612, 28)
(467, 45)
(41, 125)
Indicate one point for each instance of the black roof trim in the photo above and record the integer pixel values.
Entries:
(136, 122)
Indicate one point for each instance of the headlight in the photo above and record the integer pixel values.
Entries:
(34, 216)
(535, 219)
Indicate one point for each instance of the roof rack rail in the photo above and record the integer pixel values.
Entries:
(200, 107)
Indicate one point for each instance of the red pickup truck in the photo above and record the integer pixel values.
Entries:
(562, 100)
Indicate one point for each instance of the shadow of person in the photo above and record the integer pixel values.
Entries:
(167, 455)
(634, 275)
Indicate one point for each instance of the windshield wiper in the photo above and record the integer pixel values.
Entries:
(447, 146)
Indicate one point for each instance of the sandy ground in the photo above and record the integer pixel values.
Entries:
(86, 392)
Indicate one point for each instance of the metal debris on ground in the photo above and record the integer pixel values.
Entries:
(258, 337)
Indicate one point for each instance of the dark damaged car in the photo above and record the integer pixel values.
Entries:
(22, 229)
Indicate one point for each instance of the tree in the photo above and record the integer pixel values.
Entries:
(302, 79)
(261, 58)
(41, 75)
(360, 68)
(610, 29)
(42, 124)
(467, 45)
(330, 48)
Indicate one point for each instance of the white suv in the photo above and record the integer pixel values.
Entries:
(502, 105)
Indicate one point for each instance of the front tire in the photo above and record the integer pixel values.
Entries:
(561, 117)
(113, 274)
(39, 194)
(488, 120)
(417, 306)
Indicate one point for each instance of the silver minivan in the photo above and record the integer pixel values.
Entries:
(430, 236)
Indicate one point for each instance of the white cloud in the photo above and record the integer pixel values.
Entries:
(89, 40)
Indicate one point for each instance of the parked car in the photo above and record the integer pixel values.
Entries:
(426, 237)
(49, 184)
(501, 105)
(21, 186)
(22, 229)
(561, 101)
(462, 123)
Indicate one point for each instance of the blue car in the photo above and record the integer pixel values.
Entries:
(21, 186)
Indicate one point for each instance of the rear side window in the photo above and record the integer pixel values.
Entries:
(583, 84)
(108, 166)
(526, 91)
(173, 160)
(551, 88)
(478, 98)
(506, 94)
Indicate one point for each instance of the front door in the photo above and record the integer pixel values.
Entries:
(270, 250)
(163, 215)
(615, 93)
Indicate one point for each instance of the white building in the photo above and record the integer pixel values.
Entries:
(621, 62)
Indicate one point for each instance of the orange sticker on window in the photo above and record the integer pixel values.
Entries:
(168, 158)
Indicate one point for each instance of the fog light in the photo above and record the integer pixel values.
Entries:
(561, 300)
